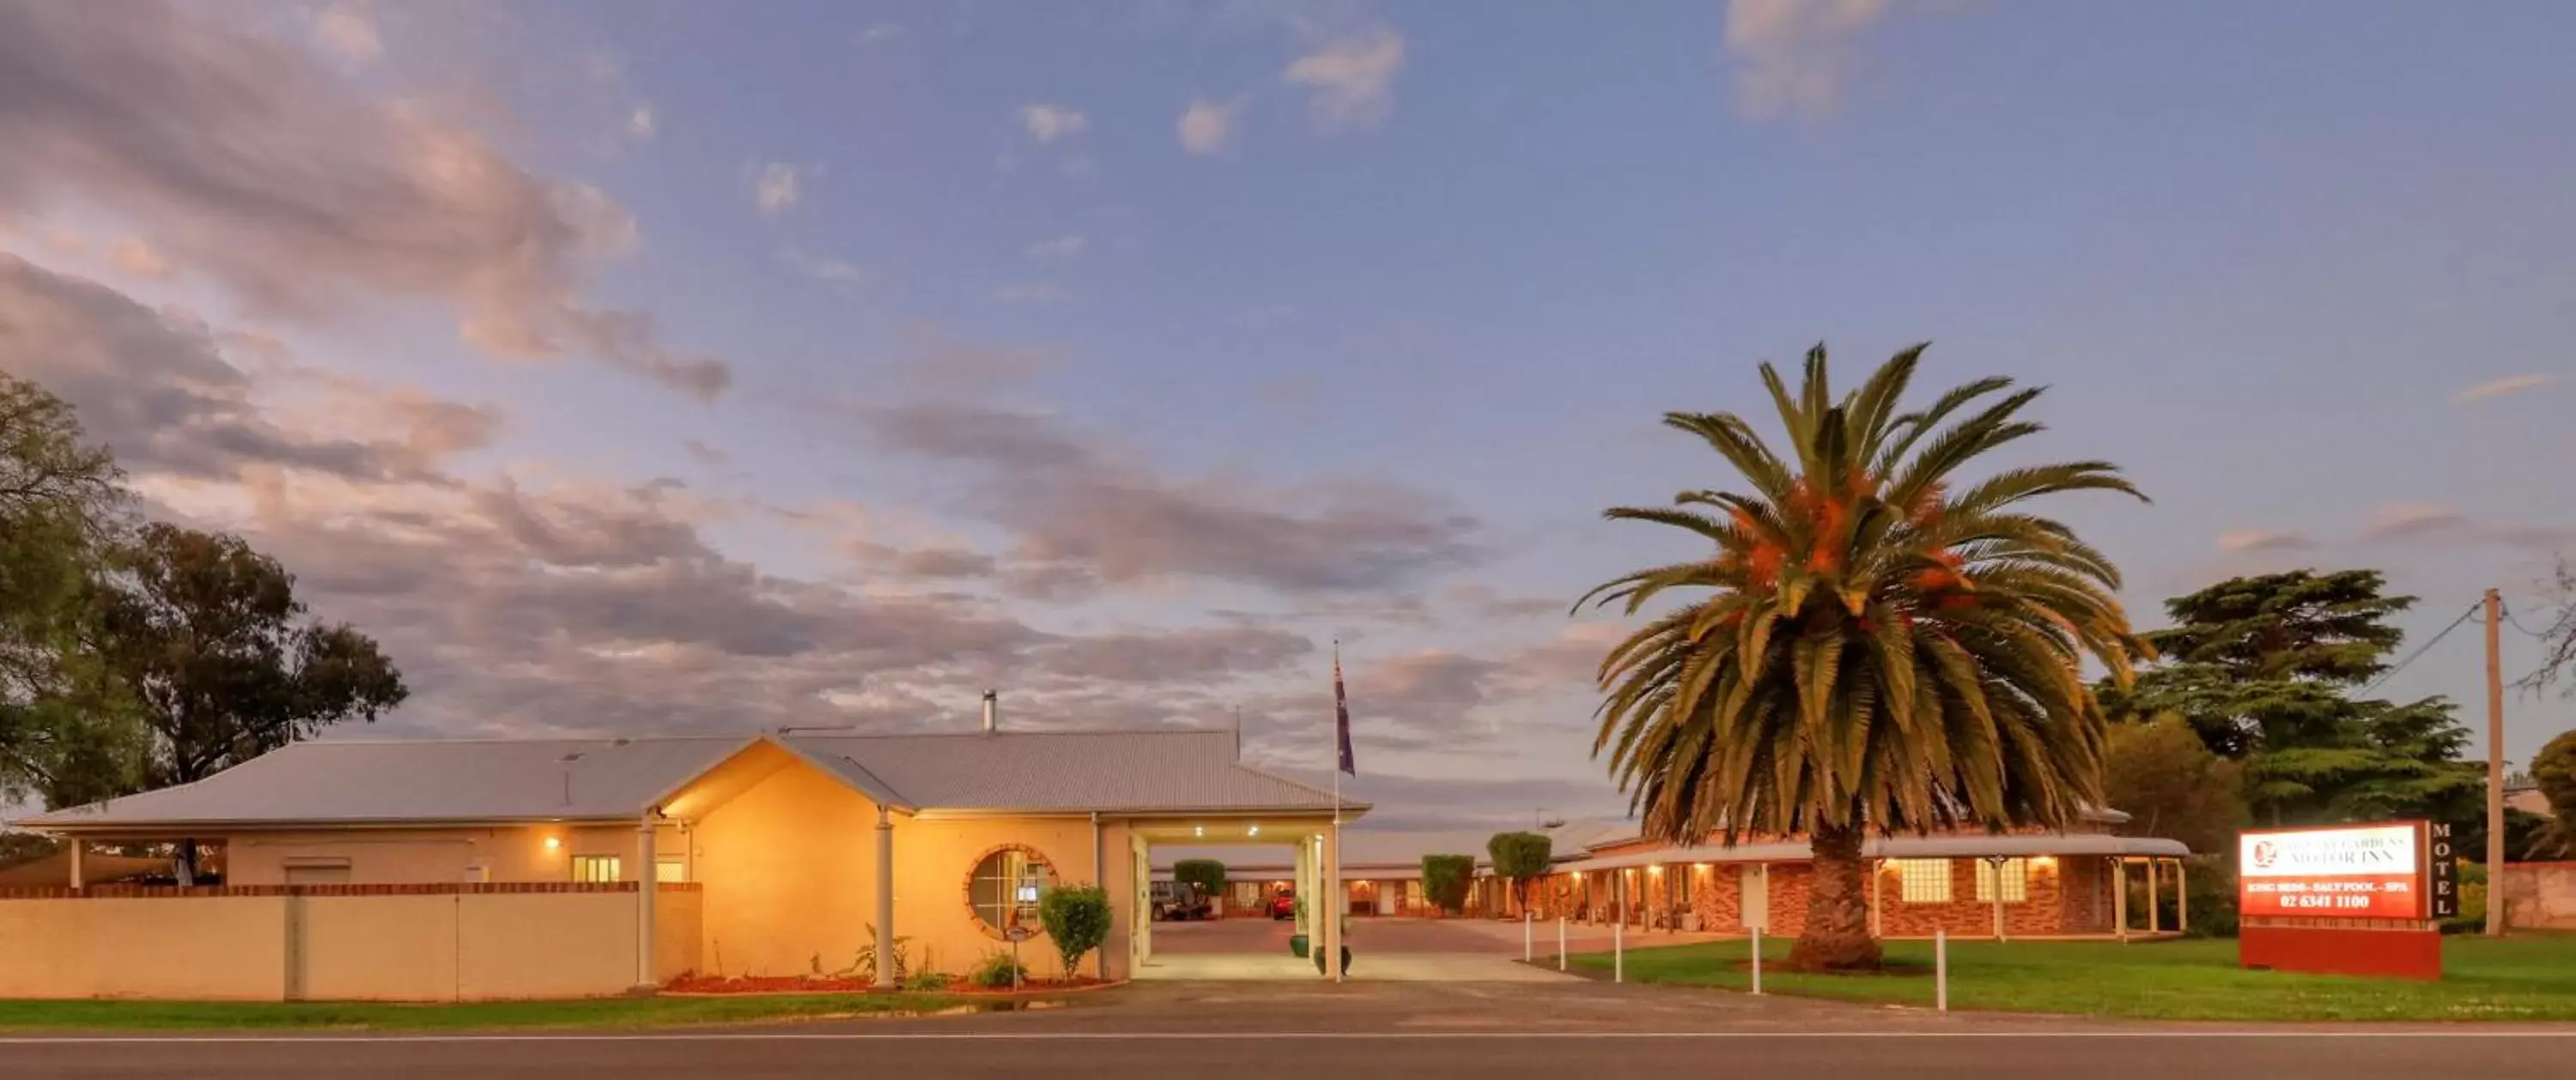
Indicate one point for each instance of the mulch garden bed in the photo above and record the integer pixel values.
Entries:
(830, 984)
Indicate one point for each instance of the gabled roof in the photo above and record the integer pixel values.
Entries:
(355, 781)
(361, 781)
(1149, 770)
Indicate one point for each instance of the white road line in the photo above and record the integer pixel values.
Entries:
(1266, 1036)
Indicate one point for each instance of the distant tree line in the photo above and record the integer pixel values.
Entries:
(136, 654)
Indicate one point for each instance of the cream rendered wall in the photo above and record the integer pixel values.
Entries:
(789, 872)
(934, 859)
(534, 945)
(212, 949)
(380, 947)
(422, 856)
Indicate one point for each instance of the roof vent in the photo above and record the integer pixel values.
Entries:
(992, 711)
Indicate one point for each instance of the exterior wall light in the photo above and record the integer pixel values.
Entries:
(553, 843)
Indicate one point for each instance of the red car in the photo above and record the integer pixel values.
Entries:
(1284, 905)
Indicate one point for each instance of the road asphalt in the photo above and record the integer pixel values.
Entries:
(1414, 1031)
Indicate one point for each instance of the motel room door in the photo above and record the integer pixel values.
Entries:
(1755, 897)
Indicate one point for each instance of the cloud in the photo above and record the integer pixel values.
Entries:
(2509, 385)
(1048, 123)
(940, 365)
(1207, 127)
(1793, 56)
(776, 186)
(880, 33)
(137, 258)
(157, 390)
(822, 267)
(1059, 249)
(285, 185)
(2263, 540)
(1352, 79)
(2437, 522)
(1031, 292)
(704, 452)
(2400, 520)
(1164, 657)
(1085, 514)
(347, 34)
(641, 125)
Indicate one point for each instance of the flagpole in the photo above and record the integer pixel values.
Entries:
(1341, 903)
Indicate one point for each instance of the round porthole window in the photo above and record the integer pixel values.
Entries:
(1004, 889)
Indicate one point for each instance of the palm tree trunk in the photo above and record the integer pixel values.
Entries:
(1837, 933)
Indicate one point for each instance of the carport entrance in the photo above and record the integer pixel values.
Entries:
(1249, 945)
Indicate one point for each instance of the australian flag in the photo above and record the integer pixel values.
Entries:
(1342, 715)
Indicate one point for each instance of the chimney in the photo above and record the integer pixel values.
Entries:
(992, 712)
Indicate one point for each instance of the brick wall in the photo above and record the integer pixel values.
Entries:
(2065, 896)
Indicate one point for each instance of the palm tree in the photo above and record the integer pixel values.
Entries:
(1867, 648)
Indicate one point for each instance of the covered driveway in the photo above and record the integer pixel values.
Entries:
(1382, 950)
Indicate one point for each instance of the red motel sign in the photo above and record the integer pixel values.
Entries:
(2391, 870)
(2348, 900)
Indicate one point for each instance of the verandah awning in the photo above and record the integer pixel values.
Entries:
(1900, 847)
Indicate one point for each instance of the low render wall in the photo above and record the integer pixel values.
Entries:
(443, 942)
(2540, 896)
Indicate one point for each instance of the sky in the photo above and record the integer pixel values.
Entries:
(642, 366)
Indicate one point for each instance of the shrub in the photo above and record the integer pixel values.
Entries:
(1076, 918)
(1207, 874)
(1445, 879)
(2213, 897)
(927, 982)
(1519, 856)
(997, 971)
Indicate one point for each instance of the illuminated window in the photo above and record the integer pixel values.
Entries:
(2016, 881)
(670, 870)
(1923, 881)
(595, 868)
(1005, 889)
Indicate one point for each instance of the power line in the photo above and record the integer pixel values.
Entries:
(2517, 623)
(2419, 651)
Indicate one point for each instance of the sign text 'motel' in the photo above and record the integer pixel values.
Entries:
(2443, 870)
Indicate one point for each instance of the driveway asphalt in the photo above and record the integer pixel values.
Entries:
(1411, 1030)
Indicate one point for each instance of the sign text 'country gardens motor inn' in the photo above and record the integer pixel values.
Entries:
(2353, 899)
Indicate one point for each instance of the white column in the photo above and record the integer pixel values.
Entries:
(2120, 896)
(78, 847)
(885, 900)
(2152, 916)
(1332, 935)
(1304, 865)
(646, 891)
(2182, 899)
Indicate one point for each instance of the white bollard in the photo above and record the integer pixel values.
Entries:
(1941, 970)
(1619, 951)
(1527, 949)
(1560, 943)
(1757, 961)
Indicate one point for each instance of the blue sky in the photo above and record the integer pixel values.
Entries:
(1124, 355)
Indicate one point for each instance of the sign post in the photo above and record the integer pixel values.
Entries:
(2349, 899)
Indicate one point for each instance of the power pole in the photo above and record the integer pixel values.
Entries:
(2495, 765)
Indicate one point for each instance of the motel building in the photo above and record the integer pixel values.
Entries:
(452, 870)
(2075, 884)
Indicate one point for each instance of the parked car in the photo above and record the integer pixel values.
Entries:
(1180, 901)
(1284, 905)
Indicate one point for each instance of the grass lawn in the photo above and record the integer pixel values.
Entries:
(375, 1016)
(2528, 977)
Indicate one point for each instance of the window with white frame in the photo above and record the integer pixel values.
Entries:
(1922, 881)
(670, 869)
(595, 868)
(2013, 876)
(1005, 888)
